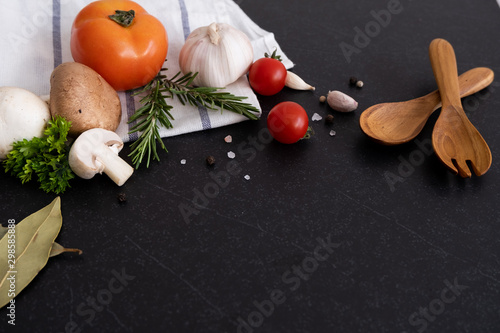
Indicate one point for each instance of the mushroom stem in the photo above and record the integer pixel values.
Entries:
(115, 167)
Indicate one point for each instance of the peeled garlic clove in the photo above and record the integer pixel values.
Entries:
(341, 102)
(219, 53)
(295, 82)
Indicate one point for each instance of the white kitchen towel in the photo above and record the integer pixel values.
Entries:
(35, 39)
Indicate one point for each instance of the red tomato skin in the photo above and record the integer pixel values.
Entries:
(287, 122)
(267, 76)
(126, 57)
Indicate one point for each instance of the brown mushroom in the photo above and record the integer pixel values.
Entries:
(82, 96)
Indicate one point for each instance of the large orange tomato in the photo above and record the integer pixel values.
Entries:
(120, 41)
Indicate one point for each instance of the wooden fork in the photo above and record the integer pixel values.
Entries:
(455, 140)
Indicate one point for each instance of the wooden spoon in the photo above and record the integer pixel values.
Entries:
(400, 122)
(456, 141)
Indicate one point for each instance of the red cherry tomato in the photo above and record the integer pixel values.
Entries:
(288, 122)
(267, 76)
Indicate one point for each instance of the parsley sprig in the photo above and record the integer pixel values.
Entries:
(45, 157)
(155, 110)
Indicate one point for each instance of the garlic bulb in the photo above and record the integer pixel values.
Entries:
(219, 53)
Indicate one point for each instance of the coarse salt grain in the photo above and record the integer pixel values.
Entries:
(333, 133)
(228, 139)
(230, 154)
(316, 117)
(247, 177)
(183, 161)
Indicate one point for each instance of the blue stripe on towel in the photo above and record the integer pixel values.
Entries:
(205, 119)
(185, 19)
(56, 32)
(130, 103)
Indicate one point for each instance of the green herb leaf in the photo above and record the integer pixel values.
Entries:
(155, 111)
(33, 240)
(45, 157)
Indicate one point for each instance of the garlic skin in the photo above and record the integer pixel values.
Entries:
(341, 102)
(219, 53)
(295, 82)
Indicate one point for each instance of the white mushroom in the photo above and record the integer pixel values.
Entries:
(23, 115)
(96, 151)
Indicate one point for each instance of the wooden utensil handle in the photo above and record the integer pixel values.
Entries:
(475, 80)
(444, 66)
(470, 82)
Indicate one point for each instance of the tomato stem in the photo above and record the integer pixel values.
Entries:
(309, 133)
(123, 17)
(273, 55)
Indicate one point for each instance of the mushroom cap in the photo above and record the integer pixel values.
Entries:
(23, 115)
(82, 96)
(84, 151)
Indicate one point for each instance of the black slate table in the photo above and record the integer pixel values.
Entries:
(333, 234)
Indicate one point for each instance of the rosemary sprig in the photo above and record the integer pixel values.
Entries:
(211, 98)
(155, 111)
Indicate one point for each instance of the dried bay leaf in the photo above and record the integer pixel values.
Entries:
(3, 231)
(57, 249)
(34, 238)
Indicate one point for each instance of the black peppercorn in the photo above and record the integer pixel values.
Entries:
(122, 197)
(210, 160)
